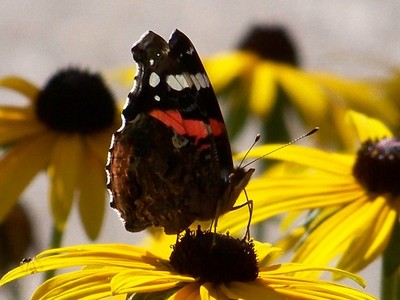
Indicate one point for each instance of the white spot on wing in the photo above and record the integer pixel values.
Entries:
(201, 78)
(157, 98)
(182, 80)
(151, 62)
(195, 82)
(173, 83)
(154, 79)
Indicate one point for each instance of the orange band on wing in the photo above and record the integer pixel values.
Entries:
(181, 126)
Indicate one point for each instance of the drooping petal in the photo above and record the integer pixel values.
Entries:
(64, 169)
(92, 195)
(364, 248)
(336, 233)
(19, 165)
(20, 85)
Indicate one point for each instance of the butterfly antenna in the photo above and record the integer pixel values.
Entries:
(258, 136)
(279, 148)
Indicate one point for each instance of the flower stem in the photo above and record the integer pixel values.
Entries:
(56, 238)
(390, 285)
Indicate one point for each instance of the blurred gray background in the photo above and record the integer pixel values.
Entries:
(353, 38)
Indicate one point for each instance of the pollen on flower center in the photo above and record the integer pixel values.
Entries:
(76, 101)
(378, 166)
(215, 258)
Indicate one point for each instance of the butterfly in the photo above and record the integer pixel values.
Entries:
(170, 163)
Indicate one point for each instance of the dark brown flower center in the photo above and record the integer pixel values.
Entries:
(271, 42)
(214, 258)
(377, 167)
(76, 101)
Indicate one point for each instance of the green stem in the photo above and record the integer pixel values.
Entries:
(390, 281)
(56, 238)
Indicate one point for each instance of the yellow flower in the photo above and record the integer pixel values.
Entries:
(66, 129)
(201, 266)
(355, 197)
(263, 77)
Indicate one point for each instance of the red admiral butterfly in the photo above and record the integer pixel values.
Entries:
(170, 163)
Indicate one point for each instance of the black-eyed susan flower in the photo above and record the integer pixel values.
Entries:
(201, 266)
(262, 78)
(355, 197)
(65, 129)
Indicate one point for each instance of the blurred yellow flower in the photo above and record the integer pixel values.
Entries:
(201, 266)
(66, 129)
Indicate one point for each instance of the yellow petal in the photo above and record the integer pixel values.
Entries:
(310, 157)
(263, 89)
(306, 94)
(224, 68)
(99, 144)
(83, 284)
(209, 291)
(64, 169)
(251, 291)
(142, 281)
(19, 165)
(364, 248)
(273, 196)
(361, 96)
(92, 195)
(368, 128)
(20, 85)
(188, 292)
(17, 123)
(334, 235)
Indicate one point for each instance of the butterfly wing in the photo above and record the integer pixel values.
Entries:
(170, 163)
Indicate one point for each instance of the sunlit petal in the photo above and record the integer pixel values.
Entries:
(89, 284)
(309, 157)
(365, 248)
(368, 128)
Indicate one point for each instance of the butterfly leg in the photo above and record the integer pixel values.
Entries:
(249, 203)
